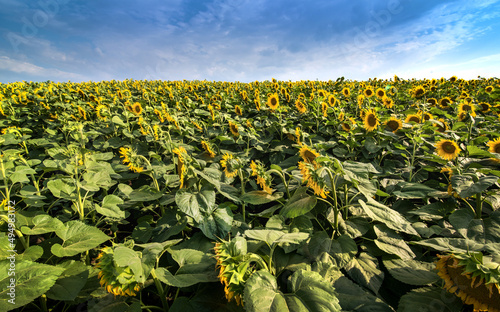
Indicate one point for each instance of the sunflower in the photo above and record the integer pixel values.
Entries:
(234, 129)
(485, 107)
(447, 149)
(308, 155)
(332, 101)
(462, 116)
(82, 113)
(208, 149)
(237, 110)
(297, 135)
(314, 180)
(413, 117)
(494, 146)
(119, 280)
(432, 101)
(445, 102)
(453, 78)
(273, 101)
(489, 89)
(300, 106)
(427, 116)
(361, 100)
(394, 124)
(324, 109)
(322, 93)
(181, 163)
(418, 92)
(442, 125)
(368, 92)
(346, 92)
(370, 120)
(387, 102)
(468, 108)
(230, 165)
(136, 108)
(473, 278)
(263, 178)
(380, 93)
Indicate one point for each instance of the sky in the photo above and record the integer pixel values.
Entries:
(247, 40)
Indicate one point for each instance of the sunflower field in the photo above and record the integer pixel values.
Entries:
(378, 195)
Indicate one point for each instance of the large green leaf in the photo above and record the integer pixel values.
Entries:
(429, 299)
(353, 297)
(343, 249)
(260, 197)
(298, 207)
(387, 216)
(468, 189)
(196, 203)
(445, 244)
(62, 189)
(42, 224)
(77, 237)
(71, 281)
(109, 207)
(275, 236)
(307, 291)
(415, 190)
(217, 224)
(126, 257)
(390, 242)
(412, 272)
(31, 280)
(365, 271)
(182, 280)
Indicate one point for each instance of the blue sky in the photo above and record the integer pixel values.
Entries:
(247, 40)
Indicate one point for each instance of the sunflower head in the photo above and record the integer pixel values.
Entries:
(413, 117)
(136, 108)
(489, 89)
(432, 101)
(208, 149)
(263, 177)
(473, 277)
(120, 280)
(234, 129)
(308, 155)
(418, 92)
(368, 92)
(447, 149)
(494, 146)
(346, 92)
(394, 124)
(387, 102)
(370, 120)
(273, 101)
(445, 102)
(310, 174)
(332, 101)
(301, 107)
(237, 110)
(380, 93)
(442, 126)
(485, 107)
(230, 165)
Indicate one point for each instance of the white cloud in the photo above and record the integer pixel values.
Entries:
(24, 67)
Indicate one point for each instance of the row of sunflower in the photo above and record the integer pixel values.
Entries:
(338, 185)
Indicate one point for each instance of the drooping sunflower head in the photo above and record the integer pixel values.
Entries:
(301, 107)
(314, 180)
(361, 100)
(208, 149)
(82, 113)
(324, 109)
(264, 179)
(230, 165)
(136, 108)
(494, 146)
(120, 280)
(394, 124)
(308, 154)
(237, 110)
(182, 159)
(234, 129)
(273, 101)
(472, 277)
(370, 120)
(447, 149)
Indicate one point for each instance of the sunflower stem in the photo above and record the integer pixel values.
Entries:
(479, 206)
(243, 211)
(161, 290)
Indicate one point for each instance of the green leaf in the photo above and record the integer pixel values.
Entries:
(145, 193)
(31, 280)
(276, 237)
(429, 299)
(217, 224)
(183, 280)
(387, 216)
(19, 176)
(127, 257)
(412, 272)
(364, 270)
(195, 204)
(478, 187)
(415, 190)
(353, 297)
(260, 197)
(33, 253)
(109, 207)
(62, 189)
(451, 244)
(343, 249)
(299, 207)
(77, 237)
(390, 242)
(70, 282)
(42, 224)
(307, 291)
